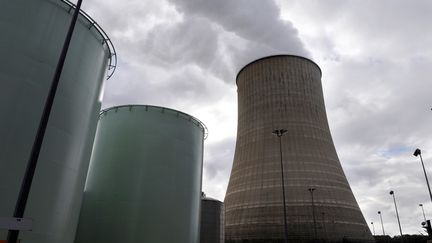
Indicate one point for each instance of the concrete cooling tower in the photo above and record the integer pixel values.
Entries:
(284, 93)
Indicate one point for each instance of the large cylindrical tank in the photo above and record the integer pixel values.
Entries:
(144, 181)
(212, 221)
(284, 92)
(33, 33)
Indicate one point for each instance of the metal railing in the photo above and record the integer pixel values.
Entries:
(185, 116)
(112, 59)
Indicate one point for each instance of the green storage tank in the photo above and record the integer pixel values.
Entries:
(212, 220)
(144, 181)
(32, 35)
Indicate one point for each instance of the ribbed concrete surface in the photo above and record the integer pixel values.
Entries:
(285, 92)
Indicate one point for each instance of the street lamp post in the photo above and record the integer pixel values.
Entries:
(397, 214)
(279, 133)
(311, 190)
(417, 152)
(27, 180)
(324, 225)
(382, 224)
(424, 216)
(373, 228)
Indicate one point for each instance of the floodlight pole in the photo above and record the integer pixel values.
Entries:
(279, 133)
(37, 144)
(416, 153)
(373, 228)
(324, 225)
(397, 214)
(311, 190)
(424, 216)
(382, 224)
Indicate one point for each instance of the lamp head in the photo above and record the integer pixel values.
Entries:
(421, 205)
(391, 192)
(279, 132)
(417, 152)
(379, 212)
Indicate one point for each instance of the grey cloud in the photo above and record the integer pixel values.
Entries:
(368, 97)
(373, 113)
(133, 16)
(219, 157)
(376, 73)
(378, 25)
(374, 56)
(381, 108)
(217, 167)
(193, 39)
(217, 36)
(256, 21)
(180, 88)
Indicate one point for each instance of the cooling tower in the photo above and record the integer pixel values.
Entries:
(32, 35)
(144, 180)
(284, 92)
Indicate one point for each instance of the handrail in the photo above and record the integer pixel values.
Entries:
(112, 64)
(198, 122)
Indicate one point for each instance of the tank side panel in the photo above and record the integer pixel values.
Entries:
(144, 178)
(36, 30)
(212, 227)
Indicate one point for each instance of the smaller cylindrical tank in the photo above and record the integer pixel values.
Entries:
(144, 181)
(212, 220)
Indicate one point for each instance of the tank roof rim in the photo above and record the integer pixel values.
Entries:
(112, 64)
(210, 199)
(203, 126)
(278, 55)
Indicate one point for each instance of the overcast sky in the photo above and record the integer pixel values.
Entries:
(376, 59)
